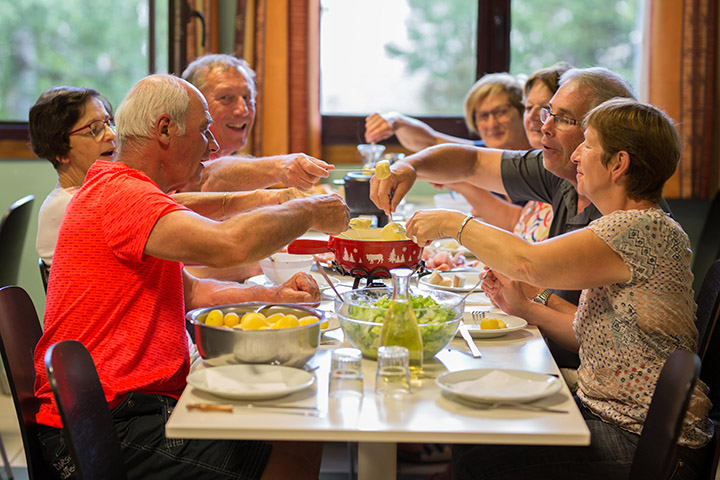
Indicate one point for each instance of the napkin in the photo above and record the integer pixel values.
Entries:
(501, 384)
(259, 382)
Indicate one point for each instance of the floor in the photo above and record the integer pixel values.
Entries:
(11, 439)
(335, 465)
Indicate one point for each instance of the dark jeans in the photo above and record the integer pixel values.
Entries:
(140, 422)
(609, 456)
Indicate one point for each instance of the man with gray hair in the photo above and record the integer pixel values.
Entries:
(546, 175)
(228, 84)
(119, 286)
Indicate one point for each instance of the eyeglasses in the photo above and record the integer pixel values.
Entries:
(499, 113)
(561, 121)
(97, 128)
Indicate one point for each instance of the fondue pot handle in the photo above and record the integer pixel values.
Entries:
(309, 247)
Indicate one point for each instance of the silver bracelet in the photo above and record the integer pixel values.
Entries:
(543, 296)
(462, 225)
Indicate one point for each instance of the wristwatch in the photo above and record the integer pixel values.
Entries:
(543, 296)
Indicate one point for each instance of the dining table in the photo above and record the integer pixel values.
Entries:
(428, 414)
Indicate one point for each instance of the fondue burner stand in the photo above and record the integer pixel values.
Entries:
(370, 276)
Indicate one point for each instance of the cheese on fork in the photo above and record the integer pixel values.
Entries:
(382, 169)
(360, 223)
(393, 231)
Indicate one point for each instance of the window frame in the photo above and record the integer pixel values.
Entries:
(493, 32)
(18, 131)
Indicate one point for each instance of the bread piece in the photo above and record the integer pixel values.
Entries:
(458, 281)
(447, 282)
(435, 278)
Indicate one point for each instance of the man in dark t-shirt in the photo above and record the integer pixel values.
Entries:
(546, 175)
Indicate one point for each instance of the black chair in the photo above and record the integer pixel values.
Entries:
(13, 229)
(19, 333)
(655, 453)
(708, 246)
(44, 272)
(87, 422)
(708, 307)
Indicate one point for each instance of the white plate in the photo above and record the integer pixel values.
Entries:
(498, 385)
(250, 382)
(513, 323)
(471, 279)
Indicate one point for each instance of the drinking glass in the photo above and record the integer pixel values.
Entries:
(393, 371)
(345, 390)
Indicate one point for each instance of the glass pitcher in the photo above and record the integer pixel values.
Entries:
(400, 326)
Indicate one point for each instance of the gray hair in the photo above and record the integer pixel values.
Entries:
(198, 70)
(151, 97)
(603, 83)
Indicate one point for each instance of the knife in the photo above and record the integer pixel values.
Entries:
(469, 340)
(228, 408)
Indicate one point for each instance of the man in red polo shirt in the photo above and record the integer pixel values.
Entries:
(118, 286)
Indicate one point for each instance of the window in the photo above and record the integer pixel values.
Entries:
(102, 44)
(420, 57)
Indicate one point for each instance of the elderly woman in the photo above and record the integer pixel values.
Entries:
(637, 304)
(71, 127)
(493, 111)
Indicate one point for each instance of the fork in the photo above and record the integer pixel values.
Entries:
(477, 316)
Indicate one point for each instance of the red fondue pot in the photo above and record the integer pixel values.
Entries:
(374, 257)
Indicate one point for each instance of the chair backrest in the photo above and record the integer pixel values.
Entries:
(19, 333)
(708, 245)
(44, 272)
(87, 422)
(708, 307)
(655, 453)
(13, 229)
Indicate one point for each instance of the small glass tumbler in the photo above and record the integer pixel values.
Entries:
(393, 371)
(346, 372)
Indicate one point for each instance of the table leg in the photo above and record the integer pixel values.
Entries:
(377, 461)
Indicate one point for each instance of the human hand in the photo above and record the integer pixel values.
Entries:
(506, 294)
(401, 179)
(301, 288)
(427, 225)
(302, 171)
(379, 127)
(331, 214)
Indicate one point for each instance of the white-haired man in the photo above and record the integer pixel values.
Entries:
(119, 286)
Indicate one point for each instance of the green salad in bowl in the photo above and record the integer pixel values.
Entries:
(362, 313)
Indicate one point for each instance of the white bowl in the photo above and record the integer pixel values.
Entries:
(280, 267)
(446, 201)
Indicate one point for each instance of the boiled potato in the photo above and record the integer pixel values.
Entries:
(288, 321)
(490, 323)
(253, 321)
(231, 319)
(214, 318)
(382, 169)
(274, 318)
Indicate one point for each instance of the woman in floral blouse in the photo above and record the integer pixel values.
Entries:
(637, 305)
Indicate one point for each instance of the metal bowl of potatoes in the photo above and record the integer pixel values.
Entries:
(274, 344)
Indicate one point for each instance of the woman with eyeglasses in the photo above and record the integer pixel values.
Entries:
(71, 127)
(637, 304)
(493, 111)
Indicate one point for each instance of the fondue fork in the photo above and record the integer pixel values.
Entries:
(327, 279)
